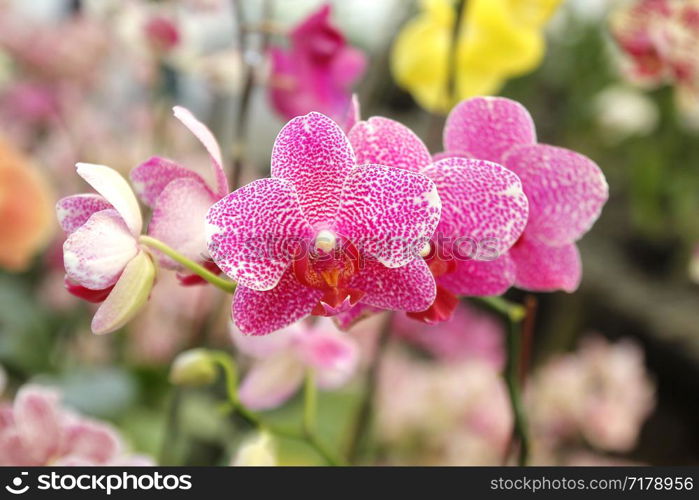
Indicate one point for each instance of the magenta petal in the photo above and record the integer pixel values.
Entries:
(484, 209)
(262, 312)
(543, 268)
(179, 219)
(566, 191)
(388, 213)
(487, 127)
(204, 135)
(251, 233)
(346, 320)
(74, 211)
(314, 154)
(386, 142)
(150, 178)
(407, 288)
(476, 278)
(347, 66)
(96, 254)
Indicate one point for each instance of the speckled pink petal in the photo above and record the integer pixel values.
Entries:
(480, 278)
(128, 296)
(204, 135)
(407, 288)
(251, 232)
(38, 419)
(95, 255)
(543, 268)
(566, 191)
(333, 355)
(388, 213)
(382, 141)
(74, 211)
(487, 127)
(314, 154)
(90, 442)
(179, 219)
(110, 184)
(260, 313)
(484, 209)
(271, 381)
(150, 178)
(346, 320)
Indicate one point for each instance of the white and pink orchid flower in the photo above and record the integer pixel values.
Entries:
(283, 359)
(566, 192)
(102, 256)
(36, 430)
(180, 197)
(324, 233)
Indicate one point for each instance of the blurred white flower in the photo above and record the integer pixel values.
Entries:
(622, 112)
(257, 451)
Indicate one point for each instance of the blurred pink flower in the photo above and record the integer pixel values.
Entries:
(283, 358)
(317, 72)
(469, 334)
(314, 240)
(566, 193)
(102, 256)
(37, 431)
(484, 210)
(601, 392)
(162, 33)
(180, 197)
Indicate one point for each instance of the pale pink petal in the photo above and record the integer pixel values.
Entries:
(382, 141)
(543, 268)
(353, 114)
(74, 211)
(314, 154)
(271, 382)
(259, 313)
(204, 135)
(251, 233)
(14, 452)
(150, 178)
(566, 191)
(179, 219)
(388, 213)
(38, 419)
(264, 346)
(476, 278)
(487, 127)
(484, 208)
(346, 319)
(333, 355)
(95, 255)
(93, 443)
(110, 184)
(407, 288)
(127, 297)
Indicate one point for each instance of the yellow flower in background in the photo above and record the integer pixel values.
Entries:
(497, 40)
(26, 209)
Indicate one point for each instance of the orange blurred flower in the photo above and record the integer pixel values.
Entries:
(26, 209)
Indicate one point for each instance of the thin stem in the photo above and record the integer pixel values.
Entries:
(231, 378)
(198, 269)
(310, 403)
(171, 426)
(513, 314)
(362, 422)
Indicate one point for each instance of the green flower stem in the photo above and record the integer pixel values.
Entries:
(513, 314)
(307, 435)
(198, 269)
(310, 403)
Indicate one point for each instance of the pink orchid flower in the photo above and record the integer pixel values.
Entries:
(566, 193)
(37, 431)
(180, 198)
(484, 209)
(283, 359)
(317, 72)
(102, 256)
(324, 232)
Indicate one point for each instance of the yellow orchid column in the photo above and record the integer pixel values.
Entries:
(495, 40)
